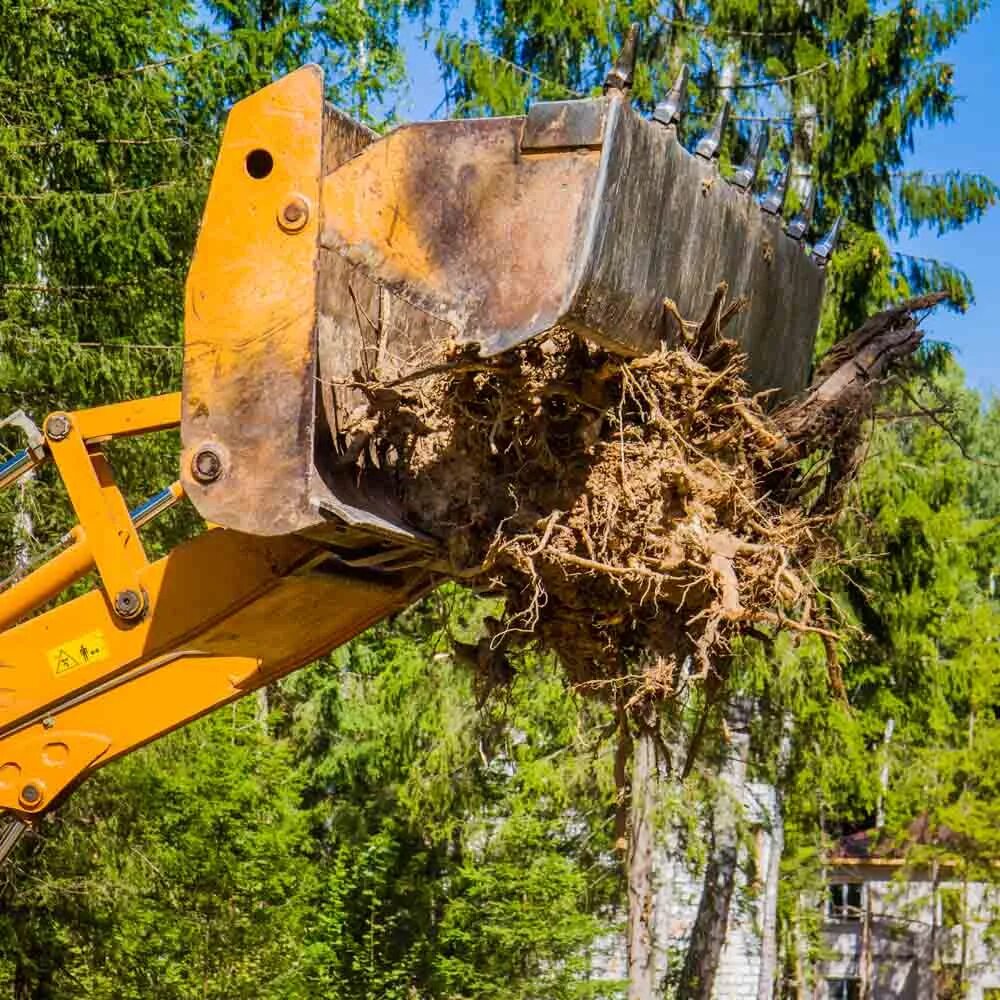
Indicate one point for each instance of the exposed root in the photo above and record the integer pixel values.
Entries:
(627, 509)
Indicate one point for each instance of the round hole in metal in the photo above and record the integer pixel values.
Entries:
(259, 163)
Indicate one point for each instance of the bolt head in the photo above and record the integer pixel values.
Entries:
(48, 722)
(128, 603)
(31, 795)
(57, 426)
(294, 214)
(206, 465)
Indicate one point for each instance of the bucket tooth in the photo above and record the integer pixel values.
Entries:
(746, 173)
(800, 222)
(774, 200)
(623, 71)
(823, 250)
(670, 111)
(709, 145)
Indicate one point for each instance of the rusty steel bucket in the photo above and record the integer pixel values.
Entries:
(327, 250)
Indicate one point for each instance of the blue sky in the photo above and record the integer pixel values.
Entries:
(971, 142)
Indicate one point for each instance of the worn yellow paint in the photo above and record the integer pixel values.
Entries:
(106, 535)
(225, 613)
(48, 581)
(250, 311)
(137, 416)
(250, 280)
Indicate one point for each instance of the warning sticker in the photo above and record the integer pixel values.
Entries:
(89, 648)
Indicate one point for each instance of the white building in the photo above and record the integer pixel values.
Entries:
(903, 932)
(888, 931)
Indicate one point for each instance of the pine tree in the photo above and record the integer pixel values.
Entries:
(389, 840)
(459, 846)
(843, 88)
(916, 587)
(185, 871)
(930, 609)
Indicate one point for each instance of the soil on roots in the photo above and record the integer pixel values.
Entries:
(648, 509)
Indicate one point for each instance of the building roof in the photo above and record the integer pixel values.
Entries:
(877, 847)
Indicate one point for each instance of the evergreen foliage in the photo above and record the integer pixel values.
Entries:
(467, 846)
(378, 832)
(845, 88)
(184, 872)
(917, 585)
(929, 611)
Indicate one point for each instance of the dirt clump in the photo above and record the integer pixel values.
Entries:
(643, 510)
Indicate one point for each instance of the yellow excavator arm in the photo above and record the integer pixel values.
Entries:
(327, 252)
(156, 644)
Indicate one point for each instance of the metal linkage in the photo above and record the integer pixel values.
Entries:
(68, 560)
(42, 557)
(152, 508)
(12, 470)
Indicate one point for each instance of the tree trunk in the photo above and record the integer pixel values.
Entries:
(263, 709)
(640, 863)
(24, 525)
(769, 922)
(766, 981)
(701, 963)
(708, 936)
(883, 779)
(932, 964)
(867, 958)
(23, 987)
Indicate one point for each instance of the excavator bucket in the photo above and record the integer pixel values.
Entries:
(330, 257)
(328, 252)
